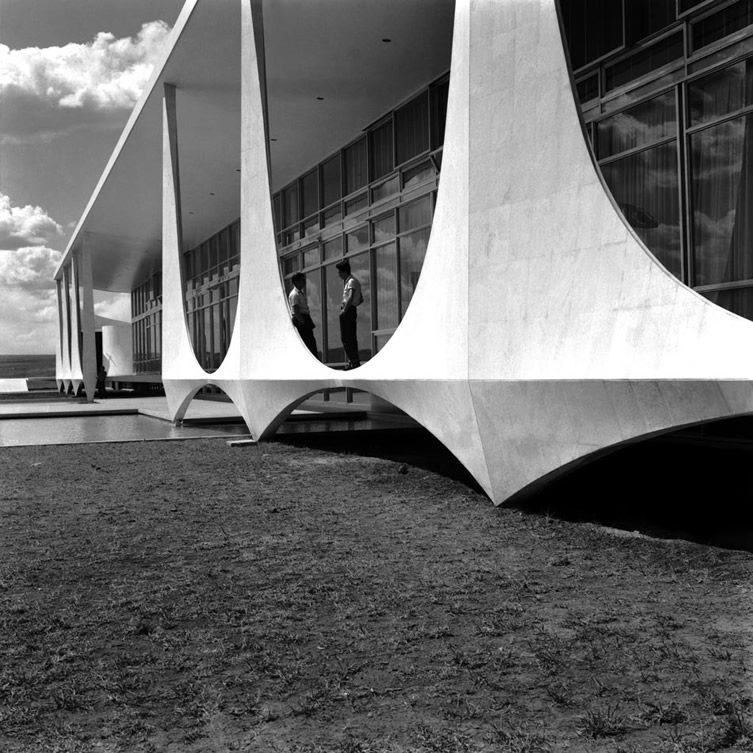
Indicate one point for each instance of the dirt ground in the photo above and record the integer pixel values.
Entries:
(191, 596)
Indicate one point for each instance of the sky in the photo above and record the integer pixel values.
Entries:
(70, 73)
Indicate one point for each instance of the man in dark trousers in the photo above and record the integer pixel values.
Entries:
(300, 314)
(352, 298)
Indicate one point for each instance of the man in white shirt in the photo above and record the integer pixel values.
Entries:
(300, 314)
(352, 298)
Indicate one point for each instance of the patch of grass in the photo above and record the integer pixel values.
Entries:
(605, 722)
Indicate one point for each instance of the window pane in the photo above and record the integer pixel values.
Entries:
(415, 214)
(412, 252)
(384, 228)
(331, 181)
(386, 189)
(216, 336)
(355, 204)
(684, 5)
(311, 256)
(645, 61)
(333, 249)
(639, 126)
(592, 27)
(334, 348)
(314, 295)
(277, 211)
(588, 88)
(381, 341)
(644, 17)
(645, 185)
(730, 19)
(358, 239)
(232, 306)
(438, 113)
(381, 150)
(290, 204)
(739, 301)
(386, 287)
(355, 166)
(311, 227)
(290, 264)
(310, 190)
(418, 174)
(722, 193)
(224, 239)
(332, 215)
(721, 92)
(360, 268)
(412, 128)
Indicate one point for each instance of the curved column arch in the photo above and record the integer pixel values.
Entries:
(568, 333)
(182, 376)
(541, 330)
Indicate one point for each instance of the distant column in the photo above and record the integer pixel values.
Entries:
(88, 337)
(66, 333)
(60, 368)
(77, 376)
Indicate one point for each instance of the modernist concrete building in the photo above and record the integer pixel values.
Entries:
(556, 259)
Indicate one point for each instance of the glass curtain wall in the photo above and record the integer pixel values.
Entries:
(146, 326)
(211, 273)
(372, 202)
(668, 102)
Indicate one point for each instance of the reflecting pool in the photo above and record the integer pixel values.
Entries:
(122, 428)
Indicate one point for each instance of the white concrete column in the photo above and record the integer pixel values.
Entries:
(59, 373)
(66, 326)
(77, 376)
(181, 373)
(88, 338)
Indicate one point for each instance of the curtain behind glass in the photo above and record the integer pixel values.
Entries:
(386, 286)
(646, 187)
(720, 93)
(641, 125)
(722, 182)
(412, 128)
(412, 251)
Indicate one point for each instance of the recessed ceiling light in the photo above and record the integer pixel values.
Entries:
(321, 99)
(386, 40)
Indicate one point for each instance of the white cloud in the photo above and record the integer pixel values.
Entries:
(28, 303)
(29, 269)
(113, 305)
(25, 226)
(50, 90)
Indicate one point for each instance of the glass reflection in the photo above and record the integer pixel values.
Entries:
(334, 288)
(722, 184)
(361, 270)
(646, 186)
(642, 125)
(722, 92)
(386, 287)
(739, 300)
(412, 252)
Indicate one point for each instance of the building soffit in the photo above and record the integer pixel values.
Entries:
(329, 74)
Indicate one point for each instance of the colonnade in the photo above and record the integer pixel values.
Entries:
(76, 352)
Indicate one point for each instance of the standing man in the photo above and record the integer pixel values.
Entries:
(352, 298)
(299, 311)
